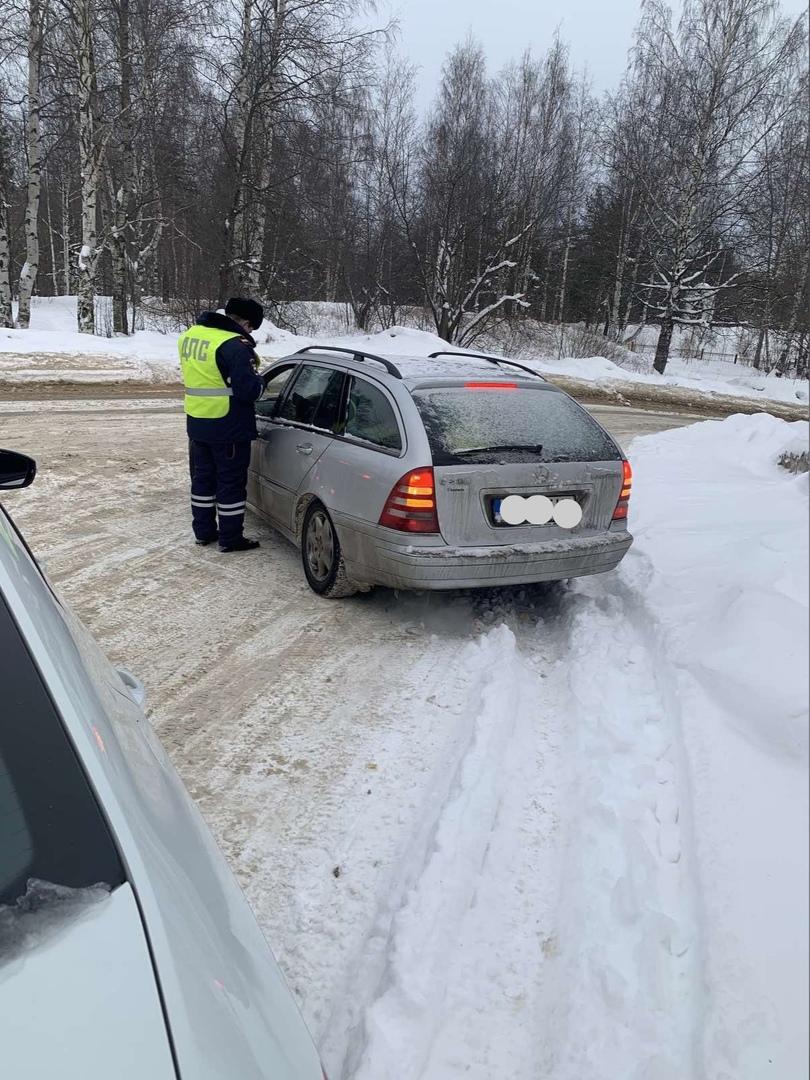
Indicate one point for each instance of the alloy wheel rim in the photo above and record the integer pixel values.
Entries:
(320, 546)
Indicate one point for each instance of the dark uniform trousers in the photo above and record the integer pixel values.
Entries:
(218, 489)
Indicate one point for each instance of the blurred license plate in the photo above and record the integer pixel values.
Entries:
(496, 510)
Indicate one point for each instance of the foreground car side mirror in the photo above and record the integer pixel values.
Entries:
(137, 690)
(16, 470)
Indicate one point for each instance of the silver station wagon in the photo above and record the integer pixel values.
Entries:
(452, 472)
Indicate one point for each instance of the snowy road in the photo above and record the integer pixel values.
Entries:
(468, 858)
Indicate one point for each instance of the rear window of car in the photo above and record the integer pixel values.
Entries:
(51, 828)
(370, 416)
(504, 424)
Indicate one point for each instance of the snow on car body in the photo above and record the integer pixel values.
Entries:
(396, 473)
(127, 948)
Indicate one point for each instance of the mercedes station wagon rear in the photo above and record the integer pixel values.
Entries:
(457, 471)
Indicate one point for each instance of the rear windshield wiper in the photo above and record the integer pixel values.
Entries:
(494, 449)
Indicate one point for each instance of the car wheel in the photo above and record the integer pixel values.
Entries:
(324, 567)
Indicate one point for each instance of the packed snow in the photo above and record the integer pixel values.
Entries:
(616, 884)
(52, 351)
(530, 832)
(719, 575)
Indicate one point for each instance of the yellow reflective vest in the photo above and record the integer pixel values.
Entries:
(207, 395)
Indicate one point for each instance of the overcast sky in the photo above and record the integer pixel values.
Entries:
(599, 32)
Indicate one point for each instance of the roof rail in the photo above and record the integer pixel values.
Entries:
(498, 360)
(358, 355)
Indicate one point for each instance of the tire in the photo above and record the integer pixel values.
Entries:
(324, 567)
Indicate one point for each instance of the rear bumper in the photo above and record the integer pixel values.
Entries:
(373, 558)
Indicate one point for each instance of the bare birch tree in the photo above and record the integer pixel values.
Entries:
(6, 317)
(122, 186)
(91, 152)
(37, 20)
(286, 56)
(777, 226)
(716, 81)
(579, 156)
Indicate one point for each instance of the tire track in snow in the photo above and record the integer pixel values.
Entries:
(629, 993)
(450, 974)
(545, 924)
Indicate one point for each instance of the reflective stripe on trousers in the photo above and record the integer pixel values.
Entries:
(218, 488)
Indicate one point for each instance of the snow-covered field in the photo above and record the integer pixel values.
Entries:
(52, 352)
(537, 832)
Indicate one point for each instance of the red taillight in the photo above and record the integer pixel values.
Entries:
(624, 496)
(490, 386)
(411, 506)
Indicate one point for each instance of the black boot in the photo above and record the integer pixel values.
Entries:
(210, 540)
(242, 544)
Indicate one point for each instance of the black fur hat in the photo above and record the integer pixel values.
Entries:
(245, 308)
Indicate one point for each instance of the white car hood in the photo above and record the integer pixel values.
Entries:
(78, 998)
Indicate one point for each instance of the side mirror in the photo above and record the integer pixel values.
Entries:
(137, 690)
(16, 470)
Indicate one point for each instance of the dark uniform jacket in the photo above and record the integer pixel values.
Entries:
(235, 361)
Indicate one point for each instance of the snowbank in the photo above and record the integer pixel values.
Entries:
(52, 351)
(705, 377)
(719, 573)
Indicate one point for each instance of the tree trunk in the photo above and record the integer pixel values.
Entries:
(544, 296)
(444, 328)
(236, 238)
(564, 281)
(52, 238)
(142, 265)
(802, 357)
(6, 320)
(65, 236)
(662, 348)
(28, 274)
(798, 299)
(758, 351)
(258, 229)
(329, 282)
(90, 155)
(614, 310)
(119, 269)
(123, 196)
(258, 222)
(631, 291)
(767, 352)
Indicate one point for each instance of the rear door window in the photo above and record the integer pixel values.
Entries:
(51, 827)
(487, 426)
(371, 417)
(314, 398)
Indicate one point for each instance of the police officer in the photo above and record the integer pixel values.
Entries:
(219, 367)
